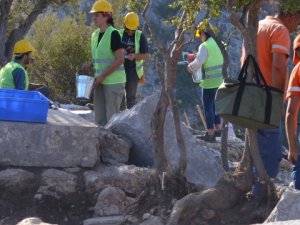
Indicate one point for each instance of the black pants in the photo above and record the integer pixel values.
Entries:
(43, 89)
(131, 88)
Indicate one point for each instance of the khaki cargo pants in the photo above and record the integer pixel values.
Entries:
(107, 101)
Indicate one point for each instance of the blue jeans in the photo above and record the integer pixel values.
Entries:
(296, 174)
(270, 148)
(208, 98)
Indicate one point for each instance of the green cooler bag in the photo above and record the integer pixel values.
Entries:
(253, 105)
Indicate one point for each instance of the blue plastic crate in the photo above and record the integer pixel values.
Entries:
(27, 106)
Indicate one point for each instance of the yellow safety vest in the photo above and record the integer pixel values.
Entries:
(103, 57)
(6, 77)
(213, 65)
(139, 64)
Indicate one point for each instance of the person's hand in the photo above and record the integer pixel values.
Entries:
(293, 156)
(190, 57)
(97, 81)
(87, 67)
(131, 56)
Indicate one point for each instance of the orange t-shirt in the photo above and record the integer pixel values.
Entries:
(272, 37)
(294, 82)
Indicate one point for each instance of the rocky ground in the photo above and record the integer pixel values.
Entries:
(153, 206)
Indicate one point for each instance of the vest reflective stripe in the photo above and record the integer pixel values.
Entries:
(6, 77)
(139, 64)
(216, 75)
(103, 60)
(297, 89)
(103, 57)
(276, 46)
(213, 65)
(213, 68)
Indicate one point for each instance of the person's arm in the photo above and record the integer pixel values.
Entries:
(279, 71)
(19, 79)
(200, 59)
(119, 53)
(291, 127)
(143, 55)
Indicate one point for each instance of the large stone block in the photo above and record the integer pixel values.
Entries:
(203, 169)
(66, 140)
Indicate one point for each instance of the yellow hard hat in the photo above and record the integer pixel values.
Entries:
(101, 6)
(23, 46)
(131, 21)
(201, 27)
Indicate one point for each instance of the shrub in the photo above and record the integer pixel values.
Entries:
(62, 47)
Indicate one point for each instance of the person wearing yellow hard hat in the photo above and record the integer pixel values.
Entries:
(209, 60)
(108, 59)
(14, 74)
(136, 46)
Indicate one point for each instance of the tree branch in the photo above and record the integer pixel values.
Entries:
(24, 27)
(239, 23)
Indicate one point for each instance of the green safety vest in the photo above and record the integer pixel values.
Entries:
(103, 57)
(6, 77)
(213, 65)
(139, 64)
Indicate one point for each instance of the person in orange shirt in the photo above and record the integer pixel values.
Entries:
(293, 99)
(273, 47)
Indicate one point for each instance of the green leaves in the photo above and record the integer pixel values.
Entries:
(62, 46)
(289, 6)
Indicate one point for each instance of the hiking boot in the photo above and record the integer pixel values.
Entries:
(208, 138)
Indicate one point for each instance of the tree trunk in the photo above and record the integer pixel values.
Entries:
(224, 145)
(157, 124)
(171, 69)
(193, 208)
(5, 6)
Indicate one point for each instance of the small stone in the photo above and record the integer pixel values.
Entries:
(38, 196)
(146, 216)
(208, 214)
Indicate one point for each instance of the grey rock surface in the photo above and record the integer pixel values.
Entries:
(153, 220)
(33, 221)
(288, 222)
(287, 208)
(113, 148)
(107, 220)
(67, 140)
(112, 201)
(16, 180)
(130, 179)
(203, 169)
(57, 183)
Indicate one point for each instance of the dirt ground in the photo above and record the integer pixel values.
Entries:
(76, 208)
(66, 211)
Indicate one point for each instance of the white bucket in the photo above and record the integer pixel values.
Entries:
(84, 86)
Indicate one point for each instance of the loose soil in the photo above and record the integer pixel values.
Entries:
(76, 208)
